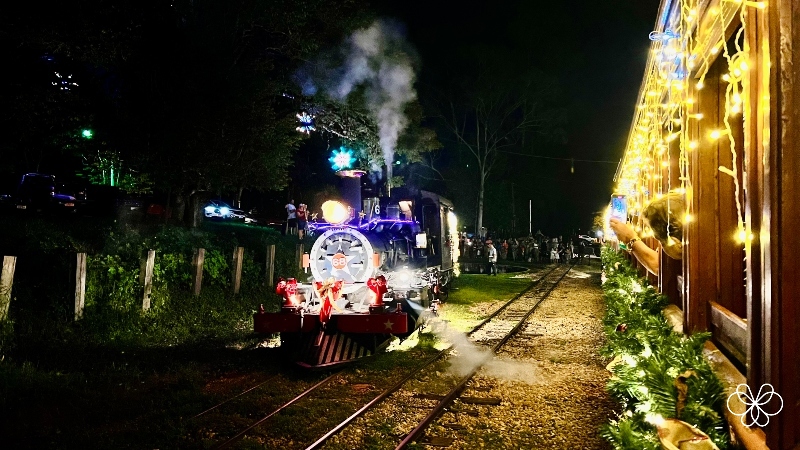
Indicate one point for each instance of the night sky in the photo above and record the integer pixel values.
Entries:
(595, 49)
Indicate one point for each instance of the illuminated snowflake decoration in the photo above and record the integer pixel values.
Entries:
(342, 159)
(306, 123)
(63, 83)
(754, 414)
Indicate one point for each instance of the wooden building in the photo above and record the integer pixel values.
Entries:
(717, 119)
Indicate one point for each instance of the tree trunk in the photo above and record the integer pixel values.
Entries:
(168, 207)
(194, 214)
(180, 207)
(480, 203)
(239, 197)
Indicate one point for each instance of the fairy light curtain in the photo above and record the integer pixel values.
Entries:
(681, 52)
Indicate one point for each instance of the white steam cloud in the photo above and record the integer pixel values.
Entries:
(378, 59)
(467, 356)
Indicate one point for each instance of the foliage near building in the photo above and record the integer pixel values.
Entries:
(658, 372)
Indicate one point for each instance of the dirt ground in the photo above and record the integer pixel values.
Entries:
(551, 379)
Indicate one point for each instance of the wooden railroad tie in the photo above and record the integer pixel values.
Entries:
(492, 401)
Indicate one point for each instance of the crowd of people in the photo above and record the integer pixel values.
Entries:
(531, 248)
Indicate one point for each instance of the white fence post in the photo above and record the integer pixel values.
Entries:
(197, 263)
(147, 278)
(6, 281)
(80, 285)
(270, 264)
(238, 256)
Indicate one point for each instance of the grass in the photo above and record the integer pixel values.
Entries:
(473, 295)
(101, 382)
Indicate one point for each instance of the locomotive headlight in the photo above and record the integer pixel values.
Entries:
(404, 276)
(335, 212)
(224, 211)
(210, 209)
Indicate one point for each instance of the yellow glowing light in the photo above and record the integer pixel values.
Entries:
(736, 109)
(726, 77)
(690, 100)
(716, 134)
(335, 212)
(736, 98)
(697, 116)
(664, 163)
(700, 85)
(654, 419)
(693, 145)
(715, 50)
(743, 66)
(741, 236)
(687, 218)
(737, 73)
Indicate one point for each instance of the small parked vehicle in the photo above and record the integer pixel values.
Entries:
(36, 192)
(217, 209)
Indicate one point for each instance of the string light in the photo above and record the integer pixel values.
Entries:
(665, 102)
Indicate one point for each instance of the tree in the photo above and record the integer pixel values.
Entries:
(192, 90)
(498, 110)
(350, 122)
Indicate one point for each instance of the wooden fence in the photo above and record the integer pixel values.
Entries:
(145, 276)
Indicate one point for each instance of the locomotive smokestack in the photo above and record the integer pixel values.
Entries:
(350, 188)
(389, 179)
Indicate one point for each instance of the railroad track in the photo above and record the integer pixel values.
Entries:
(508, 311)
(496, 340)
(513, 310)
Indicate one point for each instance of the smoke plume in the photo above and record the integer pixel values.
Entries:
(467, 356)
(377, 58)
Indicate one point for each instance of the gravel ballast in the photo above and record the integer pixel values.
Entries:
(550, 382)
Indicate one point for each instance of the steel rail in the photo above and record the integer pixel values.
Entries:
(242, 433)
(459, 388)
(232, 398)
(395, 387)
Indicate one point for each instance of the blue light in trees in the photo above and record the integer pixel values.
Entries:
(342, 159)
(306, 123)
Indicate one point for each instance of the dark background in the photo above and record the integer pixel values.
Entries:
(596, 50)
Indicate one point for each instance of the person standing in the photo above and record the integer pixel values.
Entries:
(514, 249)
(302, 220)
(291, 218)
(491, 252)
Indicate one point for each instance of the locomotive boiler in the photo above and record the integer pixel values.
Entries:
(372, 273)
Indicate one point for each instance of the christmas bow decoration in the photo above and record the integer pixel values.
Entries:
(677, 435)
(287, 289)
(329, 291)
(378, 288)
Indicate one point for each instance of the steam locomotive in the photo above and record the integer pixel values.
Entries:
(374, 272)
